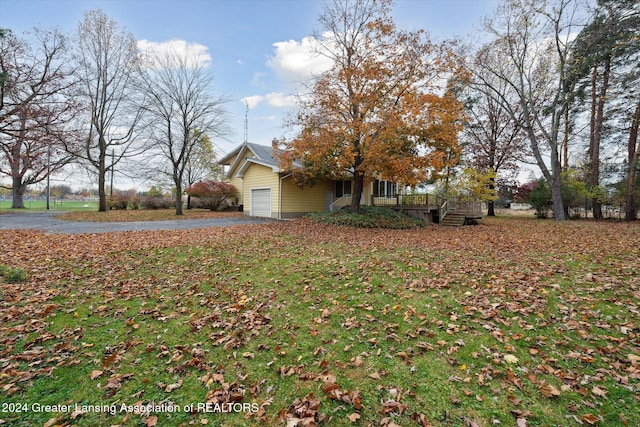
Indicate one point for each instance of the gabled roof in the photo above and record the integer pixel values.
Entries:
(259, 151)
(259, 154)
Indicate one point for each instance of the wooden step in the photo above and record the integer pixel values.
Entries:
(453, 220)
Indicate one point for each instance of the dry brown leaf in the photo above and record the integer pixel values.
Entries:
(590, 418)
(354, 417)
(548, 390)
(51, 422)
(173, 386)
(600, 392)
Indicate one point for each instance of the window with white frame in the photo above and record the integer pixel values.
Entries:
(382, 188)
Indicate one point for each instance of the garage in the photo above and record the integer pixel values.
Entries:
(261, 202)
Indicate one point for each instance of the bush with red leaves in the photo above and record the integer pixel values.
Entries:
(211, 194)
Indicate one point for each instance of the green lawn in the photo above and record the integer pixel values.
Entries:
(485, 325)
(58, 205)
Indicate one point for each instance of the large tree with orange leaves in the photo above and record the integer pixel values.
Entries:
(382, 111)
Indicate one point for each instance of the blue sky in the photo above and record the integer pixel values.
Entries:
(254, 46)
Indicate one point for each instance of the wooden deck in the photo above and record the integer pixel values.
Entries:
(433, 208)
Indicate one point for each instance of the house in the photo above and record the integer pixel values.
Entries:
(266, 190)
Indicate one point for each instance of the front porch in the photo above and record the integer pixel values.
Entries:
(428, 207)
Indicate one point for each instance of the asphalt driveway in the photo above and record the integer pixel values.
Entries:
(47, 222)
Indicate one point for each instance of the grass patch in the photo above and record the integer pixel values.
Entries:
(513, 318)
(368, 217)
(54, 205)
(12, 275)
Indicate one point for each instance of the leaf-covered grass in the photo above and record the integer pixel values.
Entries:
(511, 321)
(143, 215)
(368, 217)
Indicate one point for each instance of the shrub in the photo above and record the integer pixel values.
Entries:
(118, 201)
(211, 194)
(540, 198)
(368, 217)
(155, 203)
(134, 202)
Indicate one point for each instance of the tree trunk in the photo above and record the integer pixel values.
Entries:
(490, 204)
(102, 194)
(556, 189)
(179, 198)
(358, 188)
(631, 212)
(597, 120)
(17, 193)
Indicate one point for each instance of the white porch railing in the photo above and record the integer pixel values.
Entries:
(340, 202)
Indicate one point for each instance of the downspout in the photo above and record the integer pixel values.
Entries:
(280, 195)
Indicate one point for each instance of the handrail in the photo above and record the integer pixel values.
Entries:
(442, 205)
(340, 199)
(443, 210)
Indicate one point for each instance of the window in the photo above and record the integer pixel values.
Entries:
(384, 188)
(342, 188)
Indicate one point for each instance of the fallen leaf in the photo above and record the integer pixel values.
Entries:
(600, 392)
(174, 386)
(548, 390)
(51, 422)
(510, 358)
(590, 418)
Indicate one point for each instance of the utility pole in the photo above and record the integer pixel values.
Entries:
(48, 175)
(113, 160)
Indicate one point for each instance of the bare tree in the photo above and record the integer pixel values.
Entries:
(181, 107)
(493, 141)
(529, 53)
(202, 163)
(108, 65)
(36, 109)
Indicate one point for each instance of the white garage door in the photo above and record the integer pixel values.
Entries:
(261, 202)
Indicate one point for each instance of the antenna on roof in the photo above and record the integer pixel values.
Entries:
(246, 123)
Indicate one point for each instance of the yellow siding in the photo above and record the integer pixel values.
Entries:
(237, 182)
(258, 176)
(296, 201)
(238, 161)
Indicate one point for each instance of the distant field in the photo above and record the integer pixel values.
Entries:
(40, 205)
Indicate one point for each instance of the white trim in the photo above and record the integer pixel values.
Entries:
(242, 169)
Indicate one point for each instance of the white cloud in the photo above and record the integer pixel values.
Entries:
(280, 100)
(257, 79)
(294, 62)
(252, 101)
(273, 99)
(195, 54)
